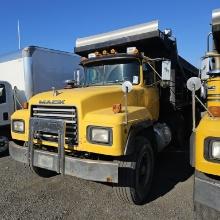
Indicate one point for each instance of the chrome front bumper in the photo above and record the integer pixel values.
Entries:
(96, 170)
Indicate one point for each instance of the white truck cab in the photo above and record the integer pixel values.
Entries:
(6, 109)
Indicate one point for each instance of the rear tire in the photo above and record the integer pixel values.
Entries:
(136, 174)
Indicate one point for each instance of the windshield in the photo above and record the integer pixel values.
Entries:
(112, 72)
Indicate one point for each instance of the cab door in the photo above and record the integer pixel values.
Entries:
(151, 90)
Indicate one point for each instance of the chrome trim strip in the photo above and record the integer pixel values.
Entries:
(55, 115)
(58, 110)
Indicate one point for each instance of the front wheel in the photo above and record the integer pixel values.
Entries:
(136, 174)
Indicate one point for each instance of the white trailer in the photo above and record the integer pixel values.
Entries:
(27, 72)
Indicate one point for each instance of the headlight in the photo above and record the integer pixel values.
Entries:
(215, 150)
(99, 135)
(18, 126)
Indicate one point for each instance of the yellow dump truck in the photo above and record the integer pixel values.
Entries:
(205, 140)
(109, 124)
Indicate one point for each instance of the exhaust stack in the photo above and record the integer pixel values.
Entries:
(216, 29)
(214, 54)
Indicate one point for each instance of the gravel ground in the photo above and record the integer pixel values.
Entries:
(26, 196)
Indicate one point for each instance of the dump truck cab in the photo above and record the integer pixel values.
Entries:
(113, 69)
(109, 125)
(205, 145)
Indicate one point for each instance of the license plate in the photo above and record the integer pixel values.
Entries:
(45, 161)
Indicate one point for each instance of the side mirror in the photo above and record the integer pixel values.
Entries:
(203, 92)
(166, 70)
(126, 86)
(166, 74)
(194, 84)
(76, 76)
(70, 84)
(205, 68)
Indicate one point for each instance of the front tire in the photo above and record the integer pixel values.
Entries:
(136, 174)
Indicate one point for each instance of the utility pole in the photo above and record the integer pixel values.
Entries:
(19, 36)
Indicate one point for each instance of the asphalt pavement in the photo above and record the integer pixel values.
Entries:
(23, 195)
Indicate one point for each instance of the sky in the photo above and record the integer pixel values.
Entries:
(57, 24)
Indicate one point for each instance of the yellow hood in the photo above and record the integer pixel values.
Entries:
(87, 99)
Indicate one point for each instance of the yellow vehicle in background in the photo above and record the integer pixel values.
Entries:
(109, 124)
(205, 140)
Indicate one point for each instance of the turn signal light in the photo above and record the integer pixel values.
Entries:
(104, 52)
(91, 55)
(116, 108)
(214, 110)
(25, 105)
(97, 53)
(132, 50)
(113, 51)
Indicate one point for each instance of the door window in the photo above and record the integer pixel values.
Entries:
(2, 94)
(148, 74)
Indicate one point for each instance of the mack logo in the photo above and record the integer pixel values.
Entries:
(52, 102)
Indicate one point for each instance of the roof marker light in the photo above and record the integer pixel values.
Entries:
(91, 55)
(113, 51)
(104, 52)
(132, 50)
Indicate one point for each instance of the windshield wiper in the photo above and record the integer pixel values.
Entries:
(92, 84)
(115, 81)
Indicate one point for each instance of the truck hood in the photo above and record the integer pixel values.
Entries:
(87, 99)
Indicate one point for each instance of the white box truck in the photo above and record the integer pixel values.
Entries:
(27, 72)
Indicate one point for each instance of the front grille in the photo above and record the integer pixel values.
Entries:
(66, 113)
